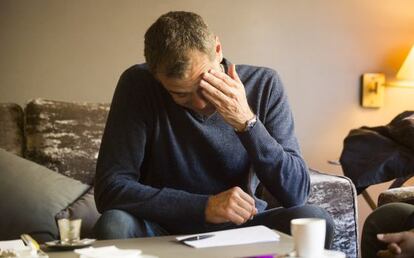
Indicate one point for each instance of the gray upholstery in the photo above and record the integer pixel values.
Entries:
(66, 137)
(337, 195)
(11, 128)
(401, 194)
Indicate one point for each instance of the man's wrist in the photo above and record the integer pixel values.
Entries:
(248, 124)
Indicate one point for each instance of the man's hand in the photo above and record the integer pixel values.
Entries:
(227, 94)
(233, 205)
(399, 244)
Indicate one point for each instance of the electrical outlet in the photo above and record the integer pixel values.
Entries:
(373, 90)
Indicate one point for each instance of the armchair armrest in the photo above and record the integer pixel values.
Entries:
(401, 194)
(337, 195)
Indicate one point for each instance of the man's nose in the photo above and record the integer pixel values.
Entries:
(198, 101)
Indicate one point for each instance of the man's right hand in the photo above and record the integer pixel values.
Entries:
(400, 244)
(233, 205)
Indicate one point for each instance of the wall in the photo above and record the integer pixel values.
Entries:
(76, 50)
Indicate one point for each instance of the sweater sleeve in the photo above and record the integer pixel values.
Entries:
(274, 151)
(121, 158)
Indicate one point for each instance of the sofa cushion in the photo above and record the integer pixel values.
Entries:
(83, 208)
(65, 136)
(11, 129)
(30, 197)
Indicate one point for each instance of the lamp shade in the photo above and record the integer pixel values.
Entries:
(406, 72)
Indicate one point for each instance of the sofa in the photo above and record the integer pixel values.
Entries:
(48, 163)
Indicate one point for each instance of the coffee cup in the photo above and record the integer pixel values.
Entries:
(308, 237)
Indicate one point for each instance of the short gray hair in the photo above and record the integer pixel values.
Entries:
(170, 38)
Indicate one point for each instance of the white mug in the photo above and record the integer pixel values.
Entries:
(308, 236)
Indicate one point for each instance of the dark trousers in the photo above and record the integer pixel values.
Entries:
(390, 218)
(117, 224)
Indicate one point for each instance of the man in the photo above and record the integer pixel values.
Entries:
(189, 137)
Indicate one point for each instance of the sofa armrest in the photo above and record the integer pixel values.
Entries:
(337, 195)
(401, 194)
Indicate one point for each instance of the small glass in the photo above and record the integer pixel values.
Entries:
(69, 230)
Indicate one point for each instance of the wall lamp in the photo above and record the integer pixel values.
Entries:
(373, 84)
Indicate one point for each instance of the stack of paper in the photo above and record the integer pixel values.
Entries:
(12, 244)
(18, 247)
(247, 235)
(111, 252)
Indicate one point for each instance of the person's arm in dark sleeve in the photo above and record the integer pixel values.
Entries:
(274, 150)
(120, 160)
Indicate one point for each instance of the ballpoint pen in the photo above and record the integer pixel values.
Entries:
(29, 241)
(195, 238)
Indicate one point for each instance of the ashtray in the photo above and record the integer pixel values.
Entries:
(57, 244)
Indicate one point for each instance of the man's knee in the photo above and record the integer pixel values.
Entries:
(115, 224)
(385, 219)
(390, 217)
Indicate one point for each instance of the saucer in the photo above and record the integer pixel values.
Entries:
(325, 254)
(69, 246)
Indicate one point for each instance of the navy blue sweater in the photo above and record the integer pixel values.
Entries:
(161, 162)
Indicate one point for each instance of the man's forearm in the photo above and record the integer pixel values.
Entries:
(166, 205)
(283, 172)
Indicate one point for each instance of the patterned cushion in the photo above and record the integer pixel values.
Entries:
(11, 129)
(65, 136)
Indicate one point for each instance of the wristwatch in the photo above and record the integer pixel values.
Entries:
(248, 125)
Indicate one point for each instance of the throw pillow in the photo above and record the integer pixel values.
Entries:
(65, 136)
(83, 208)
(31, 196)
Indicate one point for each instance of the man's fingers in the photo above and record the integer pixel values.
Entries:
(234, 217)
(233, 73)
(391, 237)
(213, 94)
(241, 211)
(212, 99)
(227, 79)
(245, 201)
(246, 197)
(216, 80)
(394, 248)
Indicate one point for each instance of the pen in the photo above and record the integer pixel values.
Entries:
(195, 238)
(29, 241)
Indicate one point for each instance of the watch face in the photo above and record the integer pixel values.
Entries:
(251, 123)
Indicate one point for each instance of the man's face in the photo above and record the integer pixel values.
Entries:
(186, 91)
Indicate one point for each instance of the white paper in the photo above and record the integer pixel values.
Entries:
(247, 235)
(108, 251)
(12, 244)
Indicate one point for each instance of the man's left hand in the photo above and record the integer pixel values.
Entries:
(226, 92)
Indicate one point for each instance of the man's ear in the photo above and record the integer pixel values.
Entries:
(218, 50)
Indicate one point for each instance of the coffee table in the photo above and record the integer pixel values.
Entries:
(167, 247)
